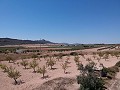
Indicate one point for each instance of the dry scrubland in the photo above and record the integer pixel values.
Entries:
(53, 73)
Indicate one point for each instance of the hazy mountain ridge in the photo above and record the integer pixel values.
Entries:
(10, 41)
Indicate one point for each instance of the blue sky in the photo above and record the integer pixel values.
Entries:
(71, 21)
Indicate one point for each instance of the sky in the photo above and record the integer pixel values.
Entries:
(61, 21)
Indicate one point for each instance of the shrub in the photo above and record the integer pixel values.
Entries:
(111, 71)
(88, 79)
(90, 82)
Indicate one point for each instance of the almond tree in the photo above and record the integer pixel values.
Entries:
(33, 65)
(9, 58)
(24, 63)
(42, 70)
(88, 59)
(34, 56)
(101, 54)
(4, 67)
(106, 56)
(98, 59)
(76, 59)
(51, 63)
(23, 57)
(14, 74)
(64, 67)
(116, 54)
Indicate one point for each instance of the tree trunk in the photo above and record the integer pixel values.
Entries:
(34, 69)
(15, 81)
(25, 67)
(51, 67)
(64, 71)
(43, 75)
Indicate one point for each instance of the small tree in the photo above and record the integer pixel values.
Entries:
(12, 73)
(116, 54)
(34, 56)
(9, 58)
(76, 59)
(106, 56)
(101, 54)
(4, 67)
(23, 57)
(42, 70)
(64, 67)
(51, 63)
(98, 59)
(33, 65)
(88, 59)
(24, 63)
(94, 56)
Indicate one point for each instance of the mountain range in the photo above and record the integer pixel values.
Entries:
(10, 41)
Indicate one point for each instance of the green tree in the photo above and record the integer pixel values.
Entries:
(88, 79)
(33, 65)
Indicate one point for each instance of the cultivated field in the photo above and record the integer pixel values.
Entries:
(52, 70)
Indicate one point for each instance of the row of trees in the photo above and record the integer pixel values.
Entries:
(13, 73)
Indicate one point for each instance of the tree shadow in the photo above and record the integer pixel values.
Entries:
(19, 82)
(54, 68)
(45, 77)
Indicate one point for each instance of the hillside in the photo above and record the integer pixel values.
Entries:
(9, 41)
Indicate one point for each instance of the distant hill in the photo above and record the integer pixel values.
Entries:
(10, 41)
